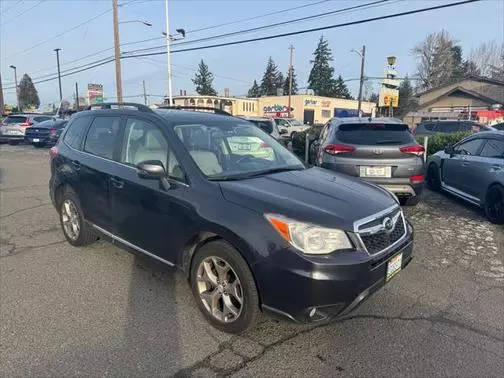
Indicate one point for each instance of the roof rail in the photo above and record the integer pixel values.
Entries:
(195, 108)
(108, 105)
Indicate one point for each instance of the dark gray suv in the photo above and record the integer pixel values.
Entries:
(380, 150)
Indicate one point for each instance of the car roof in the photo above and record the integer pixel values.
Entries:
(370, 120)
(487, 134)
(257, 118)
(176, 116)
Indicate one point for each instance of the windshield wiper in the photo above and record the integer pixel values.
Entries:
(248, 175)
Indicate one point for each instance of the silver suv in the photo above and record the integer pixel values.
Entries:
(13, 128)
(380, 150)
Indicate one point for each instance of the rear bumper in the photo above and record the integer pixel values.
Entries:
(7, 138)
(41, 139)
(311, 290)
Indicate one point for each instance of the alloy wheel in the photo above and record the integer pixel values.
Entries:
(70, 219)
(219, 289)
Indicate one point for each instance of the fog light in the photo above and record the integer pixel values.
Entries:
(312, 312)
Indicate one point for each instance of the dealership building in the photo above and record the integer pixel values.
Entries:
(306, 108)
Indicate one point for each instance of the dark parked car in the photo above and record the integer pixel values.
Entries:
(13, 128)
(45, 133)
(473, 169)
(250, 233)
(429, 128)
(380, 150)
(499, 126)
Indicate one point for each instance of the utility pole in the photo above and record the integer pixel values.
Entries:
(117, 53)
(144, 92)
(77, 96)
(170, 96)
(363, 57)
(18, 105)
(1, 98)
(291, 48)
(59, 74)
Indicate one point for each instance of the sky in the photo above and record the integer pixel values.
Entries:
(31, 30)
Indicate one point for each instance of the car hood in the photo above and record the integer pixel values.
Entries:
(312, 195)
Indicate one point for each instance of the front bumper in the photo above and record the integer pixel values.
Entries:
(333, 286)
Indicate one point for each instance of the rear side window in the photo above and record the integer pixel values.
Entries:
(15, 119)
(493, 148)
(374, 134)
(102, 136)
(42, 119)
(75, 133)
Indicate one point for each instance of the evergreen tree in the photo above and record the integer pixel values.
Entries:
(270, 80)
(28, 95)
(321, 75)
(203, 80)
(340, 89)
(407, 100)
(280, 80)
(294, 88)
(254, 91)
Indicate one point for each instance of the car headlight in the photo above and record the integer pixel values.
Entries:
(309, 238)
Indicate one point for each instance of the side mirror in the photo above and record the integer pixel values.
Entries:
(151, 170)
(283, 131)
(449, 150)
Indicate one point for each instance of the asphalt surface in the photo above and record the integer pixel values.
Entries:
(101, 311)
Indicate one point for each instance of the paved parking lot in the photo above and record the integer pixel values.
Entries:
(101, 311)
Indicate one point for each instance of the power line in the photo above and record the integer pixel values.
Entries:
(255, 17)
(394, 15)
(23, 12)
(11, 7)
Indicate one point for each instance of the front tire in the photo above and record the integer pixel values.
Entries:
(494, 204)
(72, 222)
(224, 287)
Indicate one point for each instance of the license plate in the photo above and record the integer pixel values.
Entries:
(375, 171)
(35, 140)
(394, 266)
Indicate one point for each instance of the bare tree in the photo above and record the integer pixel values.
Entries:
(489, 59)
(435, 65)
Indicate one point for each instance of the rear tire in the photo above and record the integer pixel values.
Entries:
(433, 177)
(215, 255)
(494, 204)
(75, 229)
(293, 135)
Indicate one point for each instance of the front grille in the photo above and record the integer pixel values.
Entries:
(380, 240)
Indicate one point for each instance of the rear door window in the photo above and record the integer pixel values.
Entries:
(374, 134)
(15, 119)
(102, 136)
(75, 133)
(493, 148)
(471, 147)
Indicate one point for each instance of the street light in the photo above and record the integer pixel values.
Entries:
(59, 74)
(169, 38)
(17, 88)
(139, 21)
(362, 54)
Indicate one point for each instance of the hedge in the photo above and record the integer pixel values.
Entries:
(298, 142)
(440, 141)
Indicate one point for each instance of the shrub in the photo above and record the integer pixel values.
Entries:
(298, 142)
(440, 141)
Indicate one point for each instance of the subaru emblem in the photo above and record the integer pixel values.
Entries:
(388, 224)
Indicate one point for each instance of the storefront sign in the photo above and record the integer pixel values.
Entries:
(277, 109)
(326, 104)
(95, 93)
(309, 102)
(388, 95)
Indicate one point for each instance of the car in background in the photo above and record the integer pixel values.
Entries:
(472, 169)
(13, 128)
(498, 126)
(268, 125)
(380, 150)
(45, 133)
(430, 128)
(291, 126)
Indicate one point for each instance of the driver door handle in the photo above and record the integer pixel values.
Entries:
(117, 183)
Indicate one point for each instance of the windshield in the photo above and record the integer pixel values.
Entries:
(374, 134)
(14, 119)
(230, 149)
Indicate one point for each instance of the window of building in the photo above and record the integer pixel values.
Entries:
(102, 136)
(243, 106)
(253, 107)
(326, 114)
(75, 133)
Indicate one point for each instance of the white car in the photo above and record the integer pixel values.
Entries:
(291, 126)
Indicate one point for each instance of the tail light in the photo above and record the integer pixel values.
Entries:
(417, 179)
(53, 152)
(52, 131)
(264, 145)
(335, 149)
(26, 124)
(414, 150)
